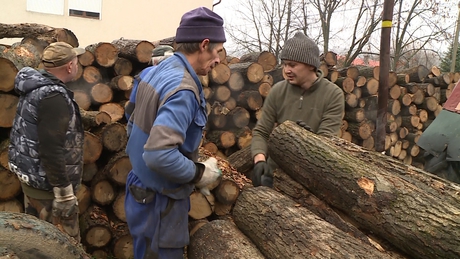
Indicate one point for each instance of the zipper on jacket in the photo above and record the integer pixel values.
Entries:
(301, 99)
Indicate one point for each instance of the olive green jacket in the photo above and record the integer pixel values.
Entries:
(321, 107)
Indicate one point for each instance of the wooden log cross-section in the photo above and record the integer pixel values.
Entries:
(139, 50)
(397, 202)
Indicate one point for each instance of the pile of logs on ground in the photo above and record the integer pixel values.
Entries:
(415, 98)
(258, 222)
(101, 88)
(335, 199)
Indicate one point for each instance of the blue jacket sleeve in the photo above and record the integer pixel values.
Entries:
(162, 152)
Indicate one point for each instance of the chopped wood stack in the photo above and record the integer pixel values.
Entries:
(101, 89)
(415, 96)
(235, 90)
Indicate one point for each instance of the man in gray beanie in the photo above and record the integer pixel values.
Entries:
(305, 97)
(166, 115)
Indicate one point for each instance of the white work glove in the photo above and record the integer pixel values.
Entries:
(211, 174)
(65, 202)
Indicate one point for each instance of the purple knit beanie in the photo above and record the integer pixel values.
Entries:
(199, 24)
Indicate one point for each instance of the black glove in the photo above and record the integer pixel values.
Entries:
(303, 125)
(259, 169)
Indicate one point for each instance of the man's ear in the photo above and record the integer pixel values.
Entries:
(69, 66)
(204, 45)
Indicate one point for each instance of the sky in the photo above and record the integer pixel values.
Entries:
(227, 9)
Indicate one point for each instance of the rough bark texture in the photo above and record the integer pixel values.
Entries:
(416, 212)
(95, 229)
(221, 239)
(40, 31)
(282, 229)
(286, 185)
(242, 161)
(31, 238)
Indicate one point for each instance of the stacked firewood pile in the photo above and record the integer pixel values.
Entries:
(101, 88)
(415, 98)
(235, 90)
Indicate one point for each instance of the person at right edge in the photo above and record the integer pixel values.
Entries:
(166, 116)
(441, 140)
(305, 97)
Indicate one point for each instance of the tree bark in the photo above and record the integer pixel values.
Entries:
(286, 185)
(22, 55)
(274, 223)
(122, 242)
(221, 239)
(23, 233)
(95, 227)
(414, 207)
(242, 161)
(40, 31)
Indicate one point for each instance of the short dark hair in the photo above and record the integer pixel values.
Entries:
(189, 48)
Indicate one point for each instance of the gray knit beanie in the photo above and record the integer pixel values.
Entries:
(302, 49)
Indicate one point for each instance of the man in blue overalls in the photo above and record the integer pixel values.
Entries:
(166, 115)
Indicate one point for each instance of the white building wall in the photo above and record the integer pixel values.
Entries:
(134, 19)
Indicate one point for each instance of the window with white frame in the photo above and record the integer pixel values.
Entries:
(48, 6)
(85, 8)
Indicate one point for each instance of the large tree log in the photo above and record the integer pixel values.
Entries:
(413, 210)
(30, 238)
(137, 50)
(22, 55)
(282, 229)
(105, 54)
(286, 185)
(39, 31)
(221, 239)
